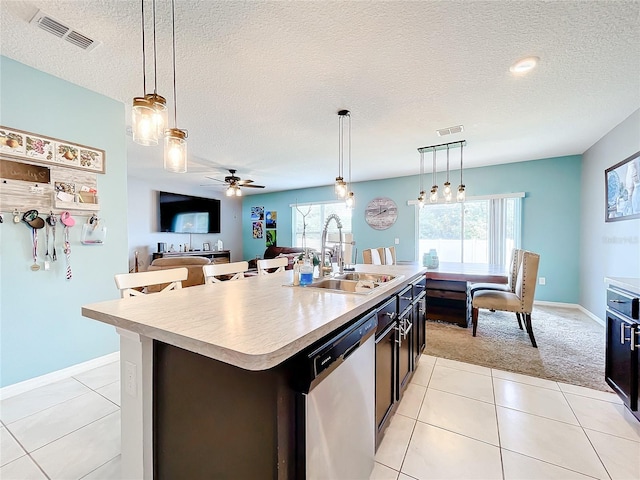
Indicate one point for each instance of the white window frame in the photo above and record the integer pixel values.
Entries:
(345, 229)
(497, 249)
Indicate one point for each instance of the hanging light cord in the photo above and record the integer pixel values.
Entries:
(433, 174)
(421, 171)
(340, 144)
(461, 148)
(447, 163)
(349, 115)
(173, 21)
(155, 56)
(144, 66)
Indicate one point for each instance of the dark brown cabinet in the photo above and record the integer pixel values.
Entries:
(400, 340)
(622, 362)
(405, 350)
(419, 327)
(385, 378)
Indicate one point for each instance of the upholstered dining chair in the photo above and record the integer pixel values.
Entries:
(514, 266)
(132, 284)
(279, 263)
(520, 301)
(379, 256)
(214, 270)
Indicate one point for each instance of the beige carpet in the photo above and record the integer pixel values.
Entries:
(570, 345)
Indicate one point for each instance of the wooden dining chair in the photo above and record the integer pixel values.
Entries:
(132, 284)
(214, 270)
(519, 301)
(278, 263)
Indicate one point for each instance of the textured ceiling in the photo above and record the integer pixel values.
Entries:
(260, 83)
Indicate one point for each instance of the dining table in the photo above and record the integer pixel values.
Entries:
(448, 289)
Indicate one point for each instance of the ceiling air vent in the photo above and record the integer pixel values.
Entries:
(60, 30)
(449, 130)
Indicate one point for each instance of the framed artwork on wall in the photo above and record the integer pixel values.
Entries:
(622, 190)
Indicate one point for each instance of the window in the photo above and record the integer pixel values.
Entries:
(314, 215)
(480, 230)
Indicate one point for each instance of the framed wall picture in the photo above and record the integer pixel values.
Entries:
(622, 190)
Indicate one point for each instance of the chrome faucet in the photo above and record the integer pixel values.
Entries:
(323, 269)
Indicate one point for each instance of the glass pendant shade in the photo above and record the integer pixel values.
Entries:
(460, 197)
(433, 196)
(142, 122)
(160, 112)
(175, 150)
(340, 187)
(447, 192)
(351, 200)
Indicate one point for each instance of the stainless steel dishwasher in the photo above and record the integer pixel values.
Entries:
(336, 403)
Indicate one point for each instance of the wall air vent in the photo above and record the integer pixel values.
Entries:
(60, 30)
(449, 130)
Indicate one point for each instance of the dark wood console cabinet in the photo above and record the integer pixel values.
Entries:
(216, 256)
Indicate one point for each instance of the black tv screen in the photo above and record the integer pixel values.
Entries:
(188, 214)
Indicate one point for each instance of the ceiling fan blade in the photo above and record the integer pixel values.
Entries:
(215, 179)
(253, 186)
(244, 182)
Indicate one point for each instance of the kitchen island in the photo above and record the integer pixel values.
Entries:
(232, 342)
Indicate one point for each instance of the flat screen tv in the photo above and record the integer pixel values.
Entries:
(187, 214)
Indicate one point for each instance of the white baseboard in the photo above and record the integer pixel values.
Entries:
(544, 303)
(593, 317)
(21, 387)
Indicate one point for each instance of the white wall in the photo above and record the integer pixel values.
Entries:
(608, 249)
(143, 221)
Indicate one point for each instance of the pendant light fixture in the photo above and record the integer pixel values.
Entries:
(447, 193)
(351, 198)
(422, 194)
(433, 196)
(158, 102)
(460, 197)
(340, 186)
(447, 185)
(175, 139)
(142, 111)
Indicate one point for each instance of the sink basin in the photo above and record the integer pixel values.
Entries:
(362, 276)
(350, 286)
(352, 282)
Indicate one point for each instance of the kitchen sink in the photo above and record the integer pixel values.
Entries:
(352, 282)
(362, 276)
(349, 286)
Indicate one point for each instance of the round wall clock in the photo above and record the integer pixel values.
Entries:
(381, 213)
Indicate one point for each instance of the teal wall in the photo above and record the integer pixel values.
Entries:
(551, 215)
(41, 326)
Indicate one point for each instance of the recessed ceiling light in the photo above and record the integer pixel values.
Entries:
(524, 65)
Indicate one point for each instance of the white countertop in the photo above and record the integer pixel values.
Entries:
(626, 283)
(255, 323)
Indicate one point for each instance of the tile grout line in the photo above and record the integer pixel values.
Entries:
(548, 463)
(495, 411)
(27, 454)
(404, 456)
(100, 466)
(587, 436)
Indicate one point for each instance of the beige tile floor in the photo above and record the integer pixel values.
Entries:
(456, 421)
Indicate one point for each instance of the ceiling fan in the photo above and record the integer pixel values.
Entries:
(234, 183)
